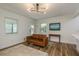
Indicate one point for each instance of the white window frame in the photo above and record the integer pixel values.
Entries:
(31, 29)
(43, 28)
(7, 23)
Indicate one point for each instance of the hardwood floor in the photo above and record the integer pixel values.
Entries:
(57, 49)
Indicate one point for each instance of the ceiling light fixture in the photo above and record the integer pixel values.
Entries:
(39, 8)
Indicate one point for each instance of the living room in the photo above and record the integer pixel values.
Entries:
(58, 25)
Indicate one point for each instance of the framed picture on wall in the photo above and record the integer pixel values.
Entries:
(54, 26)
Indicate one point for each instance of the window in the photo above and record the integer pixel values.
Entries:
(10, 25)
(32, 29)
(43, 28)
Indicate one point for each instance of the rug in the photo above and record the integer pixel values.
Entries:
(22, 50)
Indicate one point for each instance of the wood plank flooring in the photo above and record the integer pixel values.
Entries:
(57, 49)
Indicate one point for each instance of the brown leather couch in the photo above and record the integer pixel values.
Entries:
(38, 39)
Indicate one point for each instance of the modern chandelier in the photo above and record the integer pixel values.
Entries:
(38, 8)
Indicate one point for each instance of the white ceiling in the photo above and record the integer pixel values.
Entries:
(55, 9)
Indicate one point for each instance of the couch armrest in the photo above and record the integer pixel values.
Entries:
(28, 37)
(45, 40)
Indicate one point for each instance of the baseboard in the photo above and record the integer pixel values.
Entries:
(11, 46)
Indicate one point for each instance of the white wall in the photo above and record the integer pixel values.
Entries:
(77, 40)
(23, 29)
(68, 27)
